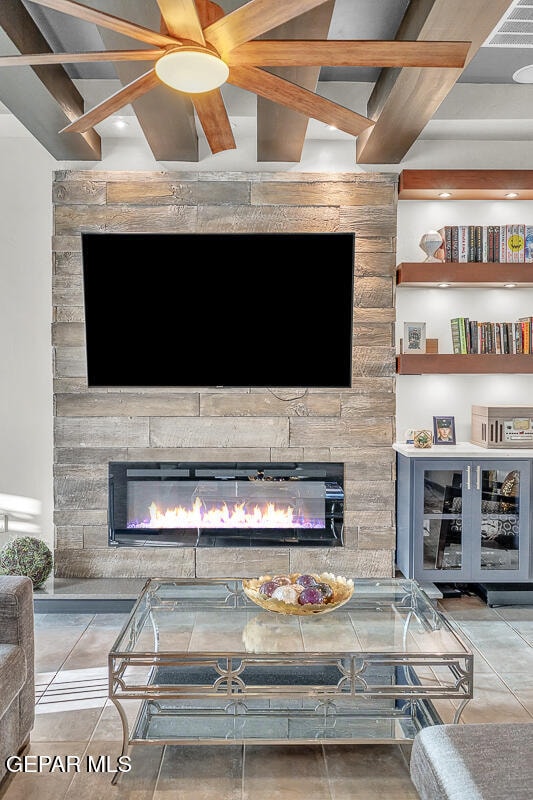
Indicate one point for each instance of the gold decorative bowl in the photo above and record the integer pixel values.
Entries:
(342, 591)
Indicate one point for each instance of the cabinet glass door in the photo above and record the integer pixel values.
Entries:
(500, 517)
(443, 520)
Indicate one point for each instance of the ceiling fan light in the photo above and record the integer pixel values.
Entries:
(192, 71)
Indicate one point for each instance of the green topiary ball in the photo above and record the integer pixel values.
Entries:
(27, 556)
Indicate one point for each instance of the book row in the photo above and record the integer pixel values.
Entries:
(500, 243)
(471, 336)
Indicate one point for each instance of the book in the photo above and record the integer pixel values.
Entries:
(502, 244)
(514, 240)
(456, 336)
(528, 244)
(448, 242)
(459, 326)
(464, 243)
(497, 345)
(473, 336)
(490, 243)
(526, 337)
(478, 243)
(455, 242)
(472, 243)
(484, 243)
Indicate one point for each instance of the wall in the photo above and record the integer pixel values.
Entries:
(354, 426)
(26, 418)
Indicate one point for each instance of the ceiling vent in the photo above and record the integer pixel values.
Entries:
(515, 29)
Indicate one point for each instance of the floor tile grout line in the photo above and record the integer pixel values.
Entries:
(160, 767)
(326, 770)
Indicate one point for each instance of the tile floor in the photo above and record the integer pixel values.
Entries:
(74, 717)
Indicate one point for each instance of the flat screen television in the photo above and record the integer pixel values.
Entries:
(218, 309)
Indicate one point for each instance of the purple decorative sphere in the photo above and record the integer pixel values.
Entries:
(311, 594)
(306, 580)
(268, 587)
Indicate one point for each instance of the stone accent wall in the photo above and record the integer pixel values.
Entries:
(354, 426)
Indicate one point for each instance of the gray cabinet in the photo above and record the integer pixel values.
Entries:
(464, 520)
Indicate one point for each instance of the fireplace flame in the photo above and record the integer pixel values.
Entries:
(238, 516)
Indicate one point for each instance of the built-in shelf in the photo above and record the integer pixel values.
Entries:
(470, 274)
(465, 184)
(449, 364)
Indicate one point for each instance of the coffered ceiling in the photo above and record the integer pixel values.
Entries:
(384, 109)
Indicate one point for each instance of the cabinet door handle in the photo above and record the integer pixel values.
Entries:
(478, 478)
(468, 478)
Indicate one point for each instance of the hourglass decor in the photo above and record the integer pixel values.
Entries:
(433, 246)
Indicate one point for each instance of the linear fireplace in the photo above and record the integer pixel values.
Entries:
(222, 504)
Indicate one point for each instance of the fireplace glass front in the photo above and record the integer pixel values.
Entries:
(226, 504)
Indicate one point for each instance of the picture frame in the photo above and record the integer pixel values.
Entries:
(414, 337)
(444, 430)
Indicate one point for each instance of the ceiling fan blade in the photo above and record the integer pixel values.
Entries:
(108, 21)
(118, 100)
(253, 19)
(214, 120)
(289, 94)
(181, 19)
(344, 53)
(208, 11)
(32, 60)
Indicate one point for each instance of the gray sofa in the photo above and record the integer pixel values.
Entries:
(17, 674)
(478, 761)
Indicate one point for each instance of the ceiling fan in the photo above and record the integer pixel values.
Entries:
(199, 48)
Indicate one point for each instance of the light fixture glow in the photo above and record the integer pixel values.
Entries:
(509, 285)
(120, 123)
(443, 285)
(192, 70)
(445, 194)
(511, 194)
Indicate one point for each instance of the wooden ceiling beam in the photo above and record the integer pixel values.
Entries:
(166, 117)
(280, 130)
(405, 99)
(55, 101)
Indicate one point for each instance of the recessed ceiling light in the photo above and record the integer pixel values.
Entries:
(524, 74)
(445, 194)
(120, 123)
(510, 285)
(510, 195)
(443, 285)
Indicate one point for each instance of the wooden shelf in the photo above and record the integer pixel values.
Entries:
(450, 364)
(465, 184)
(471, 274)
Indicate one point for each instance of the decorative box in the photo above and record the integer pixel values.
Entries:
(502, 426)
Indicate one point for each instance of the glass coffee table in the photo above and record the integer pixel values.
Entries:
(208, 666)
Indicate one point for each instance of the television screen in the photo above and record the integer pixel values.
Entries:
(218, 309)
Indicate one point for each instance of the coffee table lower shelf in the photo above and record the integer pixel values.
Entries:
(171, 723)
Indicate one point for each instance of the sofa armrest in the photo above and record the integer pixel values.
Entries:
(17, 627)
(16, 611)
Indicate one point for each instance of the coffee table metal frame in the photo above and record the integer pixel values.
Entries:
(334, 711)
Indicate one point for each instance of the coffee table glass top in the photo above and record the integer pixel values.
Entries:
(194, 617)
(210, 666)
